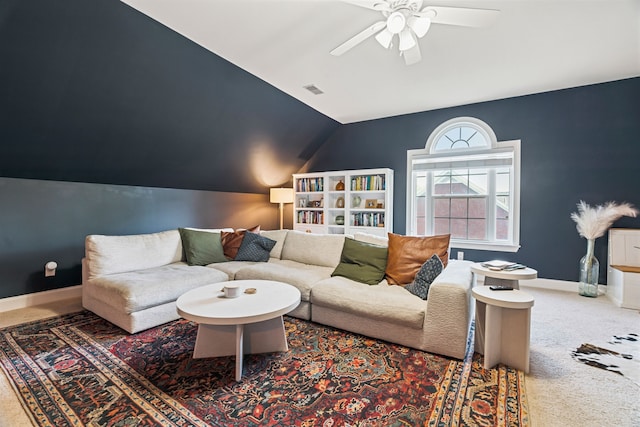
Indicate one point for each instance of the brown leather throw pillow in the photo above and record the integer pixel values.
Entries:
(231, 240)
(408, 253)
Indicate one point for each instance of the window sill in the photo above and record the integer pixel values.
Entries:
(486, 246)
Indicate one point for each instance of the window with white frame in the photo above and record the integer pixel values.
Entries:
(467, 184)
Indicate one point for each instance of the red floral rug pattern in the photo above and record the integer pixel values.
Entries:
(79, 369)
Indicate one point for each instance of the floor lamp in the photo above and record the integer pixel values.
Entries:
(282, 196)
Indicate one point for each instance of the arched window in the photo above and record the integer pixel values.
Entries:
(465, 183)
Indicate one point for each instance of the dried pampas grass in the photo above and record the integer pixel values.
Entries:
(594, 222)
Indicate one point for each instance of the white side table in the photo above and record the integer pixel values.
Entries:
(251, 323)
(503, 320)
(501, 277)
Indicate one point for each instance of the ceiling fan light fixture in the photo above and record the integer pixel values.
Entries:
(419, 24)
(385, 37)
(396, 22)
(407, 40)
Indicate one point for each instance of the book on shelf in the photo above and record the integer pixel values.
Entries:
(304, 185)
(368, 183)
(498, 265)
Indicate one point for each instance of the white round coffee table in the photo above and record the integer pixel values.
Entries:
(250, 323)
(502, 277)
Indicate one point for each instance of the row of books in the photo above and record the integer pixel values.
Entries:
(309, 185)
(368, 183)
(310, 217)
(497, 265)
(365, 219)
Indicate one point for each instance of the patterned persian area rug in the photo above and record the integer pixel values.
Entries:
(79, 369)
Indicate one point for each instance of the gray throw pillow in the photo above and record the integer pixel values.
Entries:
(425, 277)
(255, 247)
(201, 247)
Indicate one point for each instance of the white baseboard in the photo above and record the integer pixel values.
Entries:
(558, 285)
(39, 298)
(553, 284)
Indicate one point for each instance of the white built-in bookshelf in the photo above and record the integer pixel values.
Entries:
(344, 202)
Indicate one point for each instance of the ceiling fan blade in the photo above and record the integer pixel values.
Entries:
(412, 56)
(460, 16)
(358, 38)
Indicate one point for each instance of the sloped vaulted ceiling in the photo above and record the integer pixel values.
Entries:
(535, 46)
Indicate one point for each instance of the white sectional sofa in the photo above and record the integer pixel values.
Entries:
(134, 281)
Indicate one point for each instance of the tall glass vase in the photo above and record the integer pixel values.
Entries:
(589, 272)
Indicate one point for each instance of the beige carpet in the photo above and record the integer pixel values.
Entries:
(564, 392)
(561, 391)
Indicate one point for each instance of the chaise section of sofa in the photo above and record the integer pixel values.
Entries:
(134, 281)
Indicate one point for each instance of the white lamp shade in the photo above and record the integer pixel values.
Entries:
(384, 37)
(281, 195)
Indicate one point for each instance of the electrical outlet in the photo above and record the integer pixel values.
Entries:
(460, 255)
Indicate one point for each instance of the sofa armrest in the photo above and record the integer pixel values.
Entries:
(85, 270)
(449, 309)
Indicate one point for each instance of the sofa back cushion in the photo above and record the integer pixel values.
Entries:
(119, 254)
(279, 236)
(316, 249)
(371, 238)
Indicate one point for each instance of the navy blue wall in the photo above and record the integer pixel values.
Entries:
(43, 221)
(577, 144)
(98, 92)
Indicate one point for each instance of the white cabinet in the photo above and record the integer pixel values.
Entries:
(344, 202)
(623, 272)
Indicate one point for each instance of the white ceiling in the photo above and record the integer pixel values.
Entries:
(535, 46)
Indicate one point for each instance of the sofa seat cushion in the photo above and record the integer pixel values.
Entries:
(384, 302)
(302, 276)
(231, 267)
(137, 290)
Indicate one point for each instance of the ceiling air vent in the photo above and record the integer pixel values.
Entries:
(313, 89)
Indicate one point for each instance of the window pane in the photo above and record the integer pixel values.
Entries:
(478, 182)
(459, 228)
(442, 182)
(477, 229)
(502, 207)
(461, 137)
(502, 181)
(460, 181)
(459, 208)
(441, 208)
(441, 226)
(502, 229)
(478, 208)
(421, 184)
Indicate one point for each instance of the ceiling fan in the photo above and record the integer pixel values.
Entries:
(410, 21)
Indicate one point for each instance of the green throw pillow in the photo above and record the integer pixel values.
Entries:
(362, 262)
(201, 247)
